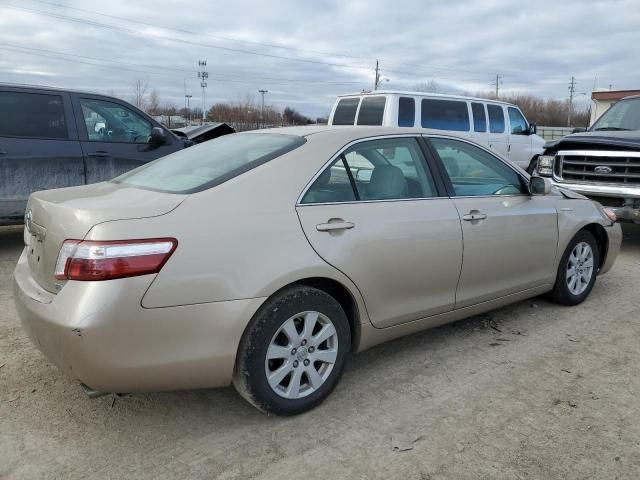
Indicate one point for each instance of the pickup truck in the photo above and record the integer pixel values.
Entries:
(603, 162)
(53, 138)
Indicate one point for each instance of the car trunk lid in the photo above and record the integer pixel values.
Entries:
(54, 216)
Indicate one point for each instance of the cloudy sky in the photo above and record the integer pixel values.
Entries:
(305, 53)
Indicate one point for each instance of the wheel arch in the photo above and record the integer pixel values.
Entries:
(602, 240)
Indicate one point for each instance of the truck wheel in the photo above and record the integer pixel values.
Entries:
(293, 352)
(577, 270)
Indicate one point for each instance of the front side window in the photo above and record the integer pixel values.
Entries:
(32, 115)
(345, 113)
(445, 115)
(210, 163)
(111, 122)
(475, 172)
(479, 117)
(519, 125)
(406, 112)
(371, 111)
(496, 118)
(385, 169)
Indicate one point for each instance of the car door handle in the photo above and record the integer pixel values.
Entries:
(333, 226)
(474, 215)
(98, 154)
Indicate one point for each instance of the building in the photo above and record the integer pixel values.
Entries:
(601, 100)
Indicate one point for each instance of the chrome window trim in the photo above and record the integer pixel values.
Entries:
(406, 135)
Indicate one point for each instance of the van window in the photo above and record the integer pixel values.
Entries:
(32, 115)
(345, 113)
(479, 117)
(496, 118)
(371, 111)
(406, 112)
(445, 115)
(518, 123)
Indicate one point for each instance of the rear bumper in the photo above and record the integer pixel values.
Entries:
(99, 333)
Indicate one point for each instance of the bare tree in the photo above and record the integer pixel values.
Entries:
(153, 105)
(139, 94)
(430, 87)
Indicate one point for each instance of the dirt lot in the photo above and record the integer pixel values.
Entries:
(529, 391)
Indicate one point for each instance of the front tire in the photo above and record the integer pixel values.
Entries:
(293, 352)
(577, 270)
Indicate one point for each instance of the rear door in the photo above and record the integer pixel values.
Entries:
(39, 148)
(510, 237)
(377, 214)
(115, 137)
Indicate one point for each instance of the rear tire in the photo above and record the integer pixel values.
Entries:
(577, 270)
(293, 352)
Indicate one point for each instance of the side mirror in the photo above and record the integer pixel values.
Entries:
(578, 130)
(539, 185)
(533, 129)
(157, 136)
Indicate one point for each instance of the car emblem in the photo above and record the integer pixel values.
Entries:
(602, 169)
(28, 220)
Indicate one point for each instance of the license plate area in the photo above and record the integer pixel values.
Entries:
(34, 253)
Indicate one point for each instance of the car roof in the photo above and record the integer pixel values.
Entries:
(50, 88)
(422, 94)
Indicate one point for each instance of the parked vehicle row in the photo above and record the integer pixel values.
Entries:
(265, 258)
(500, 126)
(53, 138)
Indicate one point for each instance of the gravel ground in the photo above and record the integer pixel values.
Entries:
(533, 390)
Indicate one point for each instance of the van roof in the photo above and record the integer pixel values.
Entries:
(421, 94)
(50, 88)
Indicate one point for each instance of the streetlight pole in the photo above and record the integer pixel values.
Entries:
(187, 98)
(262, 92)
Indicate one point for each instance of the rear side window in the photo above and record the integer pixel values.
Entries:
(371, 111)
(445, 115)
(32, 115)
(211, 163)
(345, 113)
(479, 117)
(406, 112)
(496, 118)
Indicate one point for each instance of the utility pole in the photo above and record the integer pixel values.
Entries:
(498, 82)
(377, 80)
(262, 92)
(203, 75)
(187, 98)
(572, 91)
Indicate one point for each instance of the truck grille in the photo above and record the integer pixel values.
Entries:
(598, 166)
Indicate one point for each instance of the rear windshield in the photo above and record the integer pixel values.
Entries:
(211, 163)
(345, 113)
(371, 111)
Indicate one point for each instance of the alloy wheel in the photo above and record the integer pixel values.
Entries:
(579, 268)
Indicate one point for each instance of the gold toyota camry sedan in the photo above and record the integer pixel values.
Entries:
(264, 259)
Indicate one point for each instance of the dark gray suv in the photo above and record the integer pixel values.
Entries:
(53, 138)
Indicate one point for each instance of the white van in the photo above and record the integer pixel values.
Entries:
(498, 125)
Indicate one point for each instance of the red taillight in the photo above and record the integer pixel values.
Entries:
(106, 260)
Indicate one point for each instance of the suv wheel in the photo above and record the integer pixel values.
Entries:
(293, 352)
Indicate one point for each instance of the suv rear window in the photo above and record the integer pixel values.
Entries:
(371, 111)
(445, 115)
(211, 163)
(32, 115)
(345, 113)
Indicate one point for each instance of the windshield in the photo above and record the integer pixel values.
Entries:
(211, 163)
(624, 115)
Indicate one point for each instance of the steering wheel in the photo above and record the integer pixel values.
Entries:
(507, 190)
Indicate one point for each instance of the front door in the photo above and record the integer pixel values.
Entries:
(39, 148)
(510, 237)
(376, 215)
(519, 139)
(115, 138)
